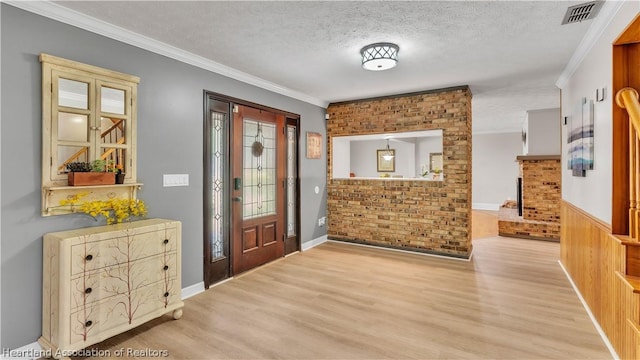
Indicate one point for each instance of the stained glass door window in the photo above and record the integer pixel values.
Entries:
(259, 169)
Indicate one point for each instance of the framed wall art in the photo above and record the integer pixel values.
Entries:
(314, 145)
(386, 160)
(580, 138)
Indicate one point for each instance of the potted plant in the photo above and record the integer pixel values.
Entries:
(117, 169)
(89, 173)
(99, 165)
(437, 174)
(78, 166)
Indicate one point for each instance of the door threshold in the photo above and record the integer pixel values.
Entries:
(221, 282)
(258, 267)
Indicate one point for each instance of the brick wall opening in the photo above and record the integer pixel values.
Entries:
(425, 216)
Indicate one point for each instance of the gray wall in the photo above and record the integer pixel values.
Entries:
(543, 132)
(494, 167)
(364, 161)
(170, 137)
(424, 148)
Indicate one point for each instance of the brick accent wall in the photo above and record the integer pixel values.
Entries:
(541, 189)
(541, 195)
(529, 229)
(427, 216)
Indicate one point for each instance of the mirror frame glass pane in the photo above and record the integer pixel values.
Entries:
(73, 94)
(73, 127)
(70, 153)
(112, 100)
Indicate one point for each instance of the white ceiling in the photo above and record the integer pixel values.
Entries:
(510, 53)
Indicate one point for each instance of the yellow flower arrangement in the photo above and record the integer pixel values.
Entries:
(114, 210)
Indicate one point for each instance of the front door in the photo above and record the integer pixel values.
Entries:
(258, 165)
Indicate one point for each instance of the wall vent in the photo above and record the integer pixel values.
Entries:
(580, 12)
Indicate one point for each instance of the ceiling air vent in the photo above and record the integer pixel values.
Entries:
(578, 13)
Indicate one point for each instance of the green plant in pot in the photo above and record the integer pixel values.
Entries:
(99, 165)
(79, 166)
(89, 173)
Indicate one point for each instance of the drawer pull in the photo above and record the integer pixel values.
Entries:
(89, 257)
(166, 267)
(166, 294)
(88, 323)
(166, 241)
(87, 291)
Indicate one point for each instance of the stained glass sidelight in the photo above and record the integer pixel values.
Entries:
(217, 184)
(259, 169)
(291, 180)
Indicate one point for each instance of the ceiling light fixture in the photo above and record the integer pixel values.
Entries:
(388, 155)
(379, 56)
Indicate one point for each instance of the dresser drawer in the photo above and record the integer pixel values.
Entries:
(88, 254)
(93, 322)
(97, 285)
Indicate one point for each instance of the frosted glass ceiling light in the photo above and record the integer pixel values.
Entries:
(388, 155)
(379, 56)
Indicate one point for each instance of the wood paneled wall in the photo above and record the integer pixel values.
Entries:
(595, 259)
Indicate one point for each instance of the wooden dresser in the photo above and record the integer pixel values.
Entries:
(101, 281)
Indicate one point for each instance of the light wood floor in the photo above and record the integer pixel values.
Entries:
(484, 224)
(341, 301)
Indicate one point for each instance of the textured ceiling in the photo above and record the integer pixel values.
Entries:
(510, 53)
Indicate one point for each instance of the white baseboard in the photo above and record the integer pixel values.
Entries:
(593, 318)
(313, 243)
(192, 290)
(485, 206)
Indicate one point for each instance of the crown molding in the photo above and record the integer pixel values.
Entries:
(607, 12)
(71, 17)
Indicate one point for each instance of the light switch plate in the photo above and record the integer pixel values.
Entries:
(175, 180)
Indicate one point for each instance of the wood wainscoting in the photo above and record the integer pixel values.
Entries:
(596, 261)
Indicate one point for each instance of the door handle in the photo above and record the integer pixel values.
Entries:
(238, 198)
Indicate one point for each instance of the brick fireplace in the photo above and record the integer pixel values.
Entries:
(541, 176)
